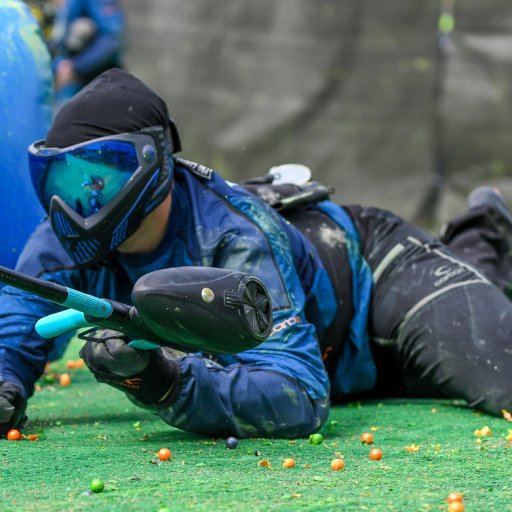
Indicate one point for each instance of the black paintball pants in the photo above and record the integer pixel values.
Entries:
(440, 323)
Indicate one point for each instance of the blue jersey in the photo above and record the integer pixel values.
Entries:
(212, 223)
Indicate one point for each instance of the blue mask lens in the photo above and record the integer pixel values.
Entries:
(87, 177)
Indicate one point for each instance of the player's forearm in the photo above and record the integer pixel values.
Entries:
(23, 353)
(242, 401)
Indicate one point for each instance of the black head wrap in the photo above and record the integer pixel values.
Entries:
(114, 102)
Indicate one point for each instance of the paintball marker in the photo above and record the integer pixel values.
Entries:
(190, 308)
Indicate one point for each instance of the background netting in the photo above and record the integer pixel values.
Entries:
(358, 90)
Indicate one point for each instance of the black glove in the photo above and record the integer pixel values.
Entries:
(12, 407)
(147, 375)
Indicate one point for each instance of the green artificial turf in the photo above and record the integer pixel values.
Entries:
(88, 430)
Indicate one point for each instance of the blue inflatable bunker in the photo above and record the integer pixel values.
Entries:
(25, 114)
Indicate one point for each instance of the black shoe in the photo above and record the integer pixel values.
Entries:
(491, 200)
(490, 197)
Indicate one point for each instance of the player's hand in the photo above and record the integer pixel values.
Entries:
(12, 406)
(109, 352)
(64, 74)
(147, 375)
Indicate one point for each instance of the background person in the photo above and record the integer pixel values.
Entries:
(87, 39)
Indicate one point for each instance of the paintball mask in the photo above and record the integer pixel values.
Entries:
(96, 193)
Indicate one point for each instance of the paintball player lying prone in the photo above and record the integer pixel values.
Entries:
(364, 303)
